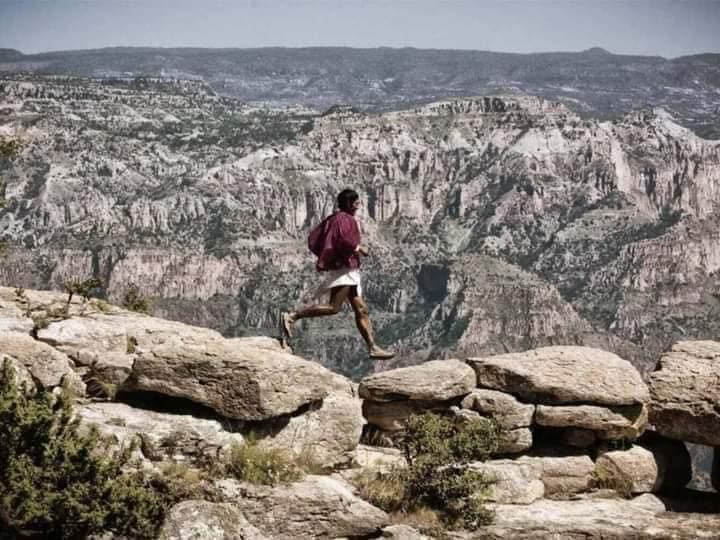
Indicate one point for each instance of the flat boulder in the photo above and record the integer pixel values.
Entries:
(313, 508)
(119, 332)
(563, 375)
(233, 378)
(642, 518)
(610, 423)
(685, 392)
(207, 521)
(437, 380)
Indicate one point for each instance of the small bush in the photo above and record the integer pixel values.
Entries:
(438, 450)
(83, 288)
(132, 344)
(134, 301)
(252, 463)
(58, 482)
(40, 321)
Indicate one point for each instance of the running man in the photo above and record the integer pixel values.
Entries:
(336, 242)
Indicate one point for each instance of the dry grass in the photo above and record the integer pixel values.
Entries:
(384, 489)
(423, 519)
(252, 463)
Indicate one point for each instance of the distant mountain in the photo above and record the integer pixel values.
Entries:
(593, 82)
(9, 55)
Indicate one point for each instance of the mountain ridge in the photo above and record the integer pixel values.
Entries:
(594, 84)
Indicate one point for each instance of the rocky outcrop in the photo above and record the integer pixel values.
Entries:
(254, 387)
(685, 390)
(238, 382)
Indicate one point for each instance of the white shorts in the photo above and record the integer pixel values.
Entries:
(338, 278)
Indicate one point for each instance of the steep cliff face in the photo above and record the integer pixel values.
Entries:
(495, 223)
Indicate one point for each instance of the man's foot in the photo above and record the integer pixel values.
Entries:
(286, 323)
(376, 353)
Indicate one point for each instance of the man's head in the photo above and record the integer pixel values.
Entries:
(348, 200)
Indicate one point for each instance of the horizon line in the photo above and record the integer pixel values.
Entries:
(599, 50)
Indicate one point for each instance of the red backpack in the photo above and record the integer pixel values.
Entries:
(316, 238)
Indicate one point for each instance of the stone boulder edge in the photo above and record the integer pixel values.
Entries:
(503, 408)
(685, 391)
(563, 375)
(437, 380)
(327, 433)
(313, 508)
(235, 379)
(609, 423)
(642, 518)
(48, 367)
(180, 437)
(637, 465)
(207, 521)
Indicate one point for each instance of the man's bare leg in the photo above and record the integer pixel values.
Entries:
(364, 326)
(338, 295)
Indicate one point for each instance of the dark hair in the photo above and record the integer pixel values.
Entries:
(346, 198)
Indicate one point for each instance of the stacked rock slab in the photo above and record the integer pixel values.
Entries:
(573, 388)
(685, 396)
(512, 416)
(391, 397)
(581, 397)
(572, 396)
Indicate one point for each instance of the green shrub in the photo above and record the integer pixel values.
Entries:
(59, 482)
(83, 288)
(252, 463)
(438, 450)
(134, 301)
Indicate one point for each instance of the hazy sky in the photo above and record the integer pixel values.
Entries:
(659, 27)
